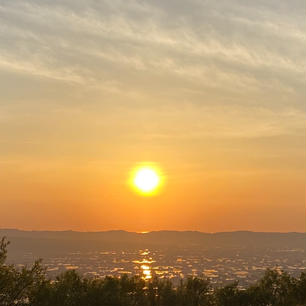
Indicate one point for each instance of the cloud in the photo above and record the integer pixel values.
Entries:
(243, 56)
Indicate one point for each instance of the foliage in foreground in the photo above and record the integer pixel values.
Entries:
(30, 287)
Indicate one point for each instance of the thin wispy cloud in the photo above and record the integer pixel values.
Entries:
(210, 55)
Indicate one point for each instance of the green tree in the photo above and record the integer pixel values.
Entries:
(194, 292)
(300, 289)
(227, 295)
(16, 285)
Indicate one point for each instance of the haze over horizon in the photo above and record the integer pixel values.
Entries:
(144, 232)
(210, 93)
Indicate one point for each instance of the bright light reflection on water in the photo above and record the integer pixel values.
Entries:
(146, 271)
(145, 264)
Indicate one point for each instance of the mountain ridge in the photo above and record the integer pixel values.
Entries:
(37, 242)
(147, 232)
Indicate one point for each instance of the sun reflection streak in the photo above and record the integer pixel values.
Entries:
(145, 264)
(146, 271)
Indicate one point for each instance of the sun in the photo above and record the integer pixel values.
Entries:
(146, 180)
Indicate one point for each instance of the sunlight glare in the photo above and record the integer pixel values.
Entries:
(146, 180)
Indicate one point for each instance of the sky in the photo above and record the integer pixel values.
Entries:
(212, 93)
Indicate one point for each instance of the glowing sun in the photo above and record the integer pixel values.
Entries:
(146, 180)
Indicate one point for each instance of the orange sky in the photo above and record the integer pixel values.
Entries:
(211, 94)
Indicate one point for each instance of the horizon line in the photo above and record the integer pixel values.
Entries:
(148, 232)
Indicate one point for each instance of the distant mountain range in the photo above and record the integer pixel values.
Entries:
(42, 243)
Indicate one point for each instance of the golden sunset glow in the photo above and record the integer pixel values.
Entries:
(146, 180)
(152, 115)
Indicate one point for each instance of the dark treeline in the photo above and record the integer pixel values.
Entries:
(30, 286)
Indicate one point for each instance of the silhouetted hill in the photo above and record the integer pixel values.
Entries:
(42, 243)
